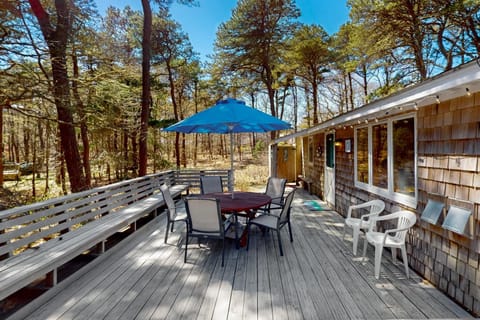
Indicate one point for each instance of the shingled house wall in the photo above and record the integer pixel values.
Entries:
(448, 164)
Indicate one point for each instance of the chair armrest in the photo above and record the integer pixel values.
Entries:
(355, 207)
(229, 220)
(368, 215)
(396, 230)
(392, 231)
(179, 204)
(361, 205)
(280, 200)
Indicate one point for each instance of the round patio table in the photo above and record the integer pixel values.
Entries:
(241, 204)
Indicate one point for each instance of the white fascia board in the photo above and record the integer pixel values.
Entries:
(448, 85)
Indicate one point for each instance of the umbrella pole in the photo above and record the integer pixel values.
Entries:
(231, 162)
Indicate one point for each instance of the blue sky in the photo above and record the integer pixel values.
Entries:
(201, 23)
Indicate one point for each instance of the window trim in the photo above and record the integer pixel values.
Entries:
(410, 201)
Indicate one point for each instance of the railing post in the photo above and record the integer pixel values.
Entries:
(230, 181)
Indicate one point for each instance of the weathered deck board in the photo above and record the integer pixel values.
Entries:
(318, 278)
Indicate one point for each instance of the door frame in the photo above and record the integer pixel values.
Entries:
(329, 172)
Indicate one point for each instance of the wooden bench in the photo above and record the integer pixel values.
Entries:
(306, 183)
(37, 239)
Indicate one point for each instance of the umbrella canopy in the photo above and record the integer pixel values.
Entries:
(229, 116)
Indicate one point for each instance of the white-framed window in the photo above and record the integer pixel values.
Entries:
(386, 157)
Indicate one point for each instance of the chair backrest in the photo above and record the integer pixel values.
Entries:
(276, 188)
(211, 184)
(376, 206)
(285, 213)
(172, 212)
(405, 220)
(204, 216)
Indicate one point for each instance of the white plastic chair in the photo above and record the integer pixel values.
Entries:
(362, 223)
(393, 238)
(211, 184)
(175, 212)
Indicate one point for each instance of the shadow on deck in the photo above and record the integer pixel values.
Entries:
(318, 278)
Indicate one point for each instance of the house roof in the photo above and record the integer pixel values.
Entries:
(445, 86)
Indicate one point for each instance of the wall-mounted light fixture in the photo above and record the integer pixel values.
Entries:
(468, 92)
(415, 106)
(437, 99)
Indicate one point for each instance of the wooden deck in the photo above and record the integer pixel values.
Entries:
(318, 278)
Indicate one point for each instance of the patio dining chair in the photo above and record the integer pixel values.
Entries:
(211, 184)
(275, 222)
(375, 207)
(393, 238)
(205, 221)
(175, 212)
(275, 189)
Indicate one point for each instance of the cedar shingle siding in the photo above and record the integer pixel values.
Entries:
(448, 164)
(448, 137)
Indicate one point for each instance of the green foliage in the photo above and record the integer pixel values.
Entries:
(251, 43)
(427, 35)
(259, 148)
(160, 124)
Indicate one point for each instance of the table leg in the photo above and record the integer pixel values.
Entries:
(249, 214)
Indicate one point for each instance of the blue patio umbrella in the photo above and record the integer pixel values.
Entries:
(229, 116)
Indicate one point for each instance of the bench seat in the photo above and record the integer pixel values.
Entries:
(18, 271)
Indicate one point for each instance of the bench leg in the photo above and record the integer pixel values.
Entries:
(101, 247)
(52, 278)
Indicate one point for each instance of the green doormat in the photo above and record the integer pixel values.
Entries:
(313, 205)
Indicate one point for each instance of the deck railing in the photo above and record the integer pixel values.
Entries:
(192, 177)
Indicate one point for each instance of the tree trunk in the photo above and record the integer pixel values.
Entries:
(83, 122)
(268, 80)
(365, 83)
(195, 146)
(46, 156)
(146, 53)
(57, 39)
(177, 149)
(125, 153)
(1, 145)
(175, 111)
(315, 101)
(34, 163)
(134, 162)
(350, 87)
(295, 108)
